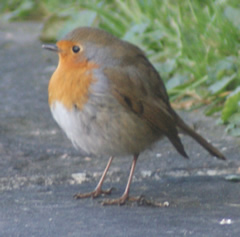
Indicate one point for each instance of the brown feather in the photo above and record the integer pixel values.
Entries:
(139, 88)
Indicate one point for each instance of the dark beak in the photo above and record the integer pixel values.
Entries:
(51, 47)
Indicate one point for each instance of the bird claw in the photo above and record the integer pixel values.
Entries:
(120, 201)
(94, 194)
(140, 200)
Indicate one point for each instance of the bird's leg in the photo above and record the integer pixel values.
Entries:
(125, 196)
(98, 190)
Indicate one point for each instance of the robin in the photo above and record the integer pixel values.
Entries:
(110, 100)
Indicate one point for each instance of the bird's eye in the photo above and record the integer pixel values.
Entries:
(75, 49)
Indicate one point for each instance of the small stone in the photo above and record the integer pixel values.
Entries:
(87, 158)
(80, 177)
(225, 221)
(166, 204)
(233, 178)
(224, 149)
(146, 173)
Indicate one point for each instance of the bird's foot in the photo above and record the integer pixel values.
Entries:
(94, 194)
(118, 201)
(140, 201)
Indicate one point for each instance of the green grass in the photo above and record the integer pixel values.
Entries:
(195, 45)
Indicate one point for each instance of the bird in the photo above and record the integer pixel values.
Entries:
(110, 101)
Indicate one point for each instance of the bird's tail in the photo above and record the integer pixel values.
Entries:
(198, 138)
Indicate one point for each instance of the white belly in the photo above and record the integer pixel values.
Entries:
(104, 131)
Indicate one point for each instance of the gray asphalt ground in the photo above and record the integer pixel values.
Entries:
(40, 171)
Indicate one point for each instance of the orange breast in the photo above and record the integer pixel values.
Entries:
(70, 84)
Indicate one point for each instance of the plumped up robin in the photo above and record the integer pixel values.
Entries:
(110, 100)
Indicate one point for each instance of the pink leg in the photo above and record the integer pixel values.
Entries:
(98, 190)
(125, 196)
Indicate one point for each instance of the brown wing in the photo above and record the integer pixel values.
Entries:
(139, 88)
